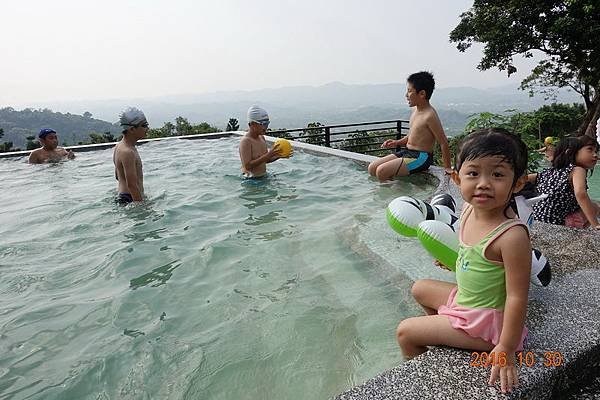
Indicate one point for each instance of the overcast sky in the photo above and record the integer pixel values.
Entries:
(67, 49)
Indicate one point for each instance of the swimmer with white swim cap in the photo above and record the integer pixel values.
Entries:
(254, 153)
(128, 164)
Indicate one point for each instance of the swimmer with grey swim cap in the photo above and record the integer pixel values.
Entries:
(128, 164)
(132, 117)
(254, 153)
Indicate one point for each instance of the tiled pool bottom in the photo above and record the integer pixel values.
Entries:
(217, 288)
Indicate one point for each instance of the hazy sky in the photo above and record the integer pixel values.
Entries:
(67, 49)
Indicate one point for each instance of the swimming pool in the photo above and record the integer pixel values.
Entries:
(594, 184)
(217, 288)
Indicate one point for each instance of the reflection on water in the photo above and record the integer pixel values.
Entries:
(132, 333)
(265, 219)
(278, 234)
(264, 195)
(257, 196)
(264, 191)
(157, 277)
(141, 236)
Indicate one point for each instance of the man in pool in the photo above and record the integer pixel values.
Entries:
(425, 129)
(49, 152)
(254, 153)
(128, 164)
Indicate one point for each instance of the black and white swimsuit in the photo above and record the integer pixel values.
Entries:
(561, 200)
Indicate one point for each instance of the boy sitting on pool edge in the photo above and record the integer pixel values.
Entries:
(425, 130)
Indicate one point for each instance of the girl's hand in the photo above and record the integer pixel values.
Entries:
(506, 371)
(597, 227)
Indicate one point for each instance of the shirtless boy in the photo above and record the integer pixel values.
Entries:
(49, 152)
(425, 130)
(254, 153)
(128, 164)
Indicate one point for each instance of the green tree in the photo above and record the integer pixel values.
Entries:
(109, 137)
(555, 120)
(564, 32)
(204, 127)
(96, 138)
(313, 134)
(167, 130)
(280, 133)
(523, 124)
(183, 127)
(87, 114)
(363, 141)
(31, 143)
(232, 125)
(6, 147)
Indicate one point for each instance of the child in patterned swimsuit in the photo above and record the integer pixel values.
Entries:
(485, 310)
(565, 184)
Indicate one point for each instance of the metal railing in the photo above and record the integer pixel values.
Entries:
(367, 140)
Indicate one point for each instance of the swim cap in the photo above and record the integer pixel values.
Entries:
(258, 115)
(44, 132)
(550, 140)
(131, 117)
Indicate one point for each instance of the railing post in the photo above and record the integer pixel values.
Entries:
(328, 137)
(398, 130)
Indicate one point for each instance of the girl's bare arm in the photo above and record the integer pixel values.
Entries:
(583, 199)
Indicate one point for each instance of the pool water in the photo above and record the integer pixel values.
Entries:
(216, 288)
(594, 184)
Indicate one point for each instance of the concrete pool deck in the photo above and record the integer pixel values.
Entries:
(562, 317)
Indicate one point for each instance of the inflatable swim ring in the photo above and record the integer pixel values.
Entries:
(405, 213)
(437, 229)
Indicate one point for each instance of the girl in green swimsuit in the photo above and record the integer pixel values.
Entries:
(485, 310)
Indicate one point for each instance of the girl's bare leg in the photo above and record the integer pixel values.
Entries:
(431, 294)
(415, 334)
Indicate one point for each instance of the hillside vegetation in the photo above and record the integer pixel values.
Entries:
(71, 128)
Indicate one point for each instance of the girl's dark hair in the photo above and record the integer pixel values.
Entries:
(494, 142)
(566, 150)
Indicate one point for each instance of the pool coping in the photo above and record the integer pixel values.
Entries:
(311, 148)
(316, 149)
(102, 146)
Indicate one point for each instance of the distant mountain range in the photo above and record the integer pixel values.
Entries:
(295, 107)
(17, 125)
